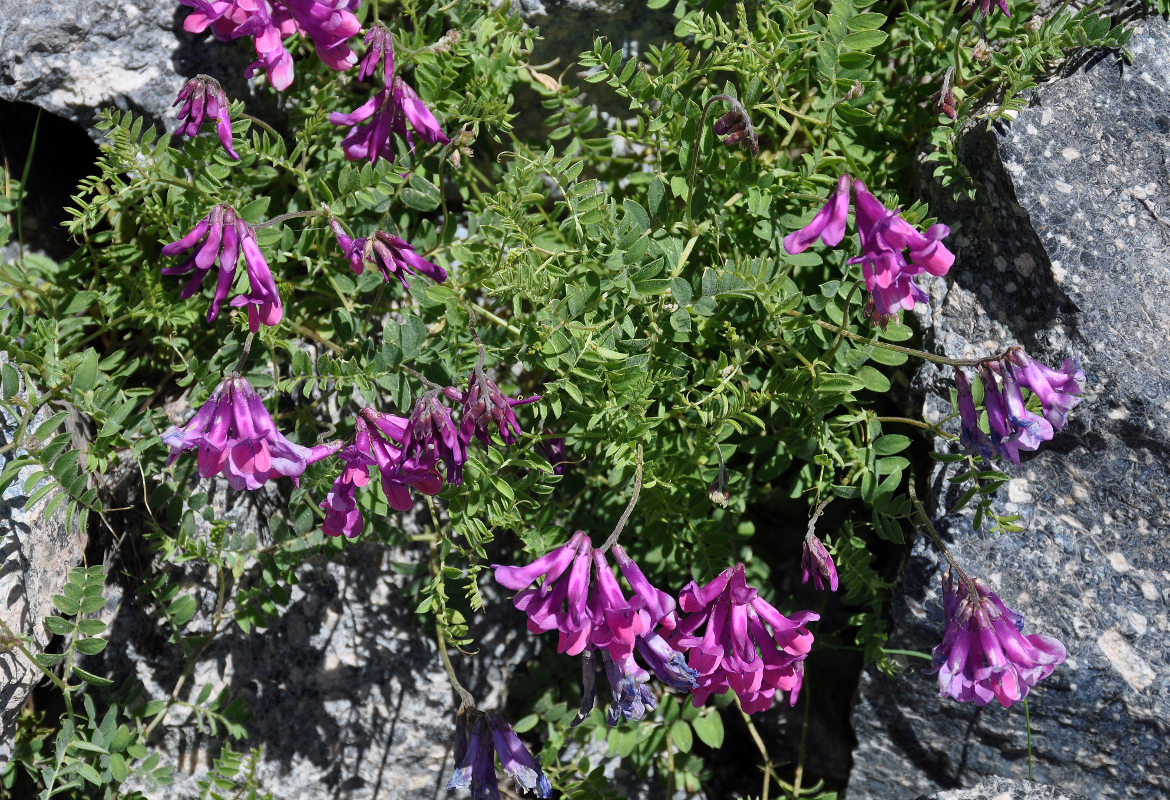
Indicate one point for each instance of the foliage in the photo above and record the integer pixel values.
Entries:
(631, 274)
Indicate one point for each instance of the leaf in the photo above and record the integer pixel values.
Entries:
(853, 115)
(891, 443)
(421, 194)
(118, 767)
(709, 728)
(865, 40)
(680, 735)
(91, 647)
(58, 626)
(867, 21)
(874, 380)
(90, 678)
(181, 609)
(85, 374)
(9, 380)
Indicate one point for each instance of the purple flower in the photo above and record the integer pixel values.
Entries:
(595, 614)
(379, 43)
(399, 473)
(203, 97)
(735, 127)
(983, 653)
(235, 436)
(816, 563)
(984, 6)
(1013, 426)
(384, 114)
(554, 452)
(888, 276)
(430, 432)
(746, 645)
(972, 439)
(829, 223)
(341, 511)
(484, 405)
(392, 255)
(329, 23)
(1057, 390)
(477, 735)
(222, 236)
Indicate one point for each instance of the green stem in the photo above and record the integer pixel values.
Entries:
(617, 531)
(15, 641)
(759, 740)
(1028, 724)
(263, 125)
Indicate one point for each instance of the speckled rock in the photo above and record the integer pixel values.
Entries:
(1006, 789)
(36, 554)
(1062, 251)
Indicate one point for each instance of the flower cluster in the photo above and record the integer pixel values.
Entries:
(580, 598)
(745, 644)
(393, 256)
(983, 653)
(407, 452)
(1012, 426)
(884, 235)
(817, 564)
(385, 115)
(481, 737)
(222, 236)
(235, 435)
(330, 24)
(203, 97)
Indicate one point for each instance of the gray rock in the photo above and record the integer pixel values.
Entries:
(1063, 251)
(1006, 789)
(36, 554)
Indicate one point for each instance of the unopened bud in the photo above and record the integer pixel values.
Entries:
(981, 52)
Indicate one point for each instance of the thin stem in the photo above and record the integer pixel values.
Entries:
(14, 641)
(798, 776)
(759, 740)
(910, 351)
(262, 124)
(1028, 725)
(290, 215)
(466, 701)
(617, 531)
(917, 423)
(695, 151)
(244, 354)
(972, 590)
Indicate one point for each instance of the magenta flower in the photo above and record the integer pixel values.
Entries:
(223, 236)
(392, 255)
(1057, 390)
(745, 645)
(379, 44)
(983, 653)
(399, 473)
(816, 563)
(235, 436)
(475, 764)
(829, 223)
(328, 23)
(341, 511)
(595, 614)
(984, 6)
(430, 432)
(1013, 426)
(386, 113)
(203, 97)
(484, 405)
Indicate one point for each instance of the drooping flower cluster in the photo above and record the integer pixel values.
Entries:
(1012, 426)
(222, 236)
(736, 127)
(737, 640)
(817, 564)
(236, 437)
(407, 452)
(889, 277)
(580, 598)
(385, 115)
(479, 738)
(393, 256)
(330, 24)
(202, 98)
(984, 654)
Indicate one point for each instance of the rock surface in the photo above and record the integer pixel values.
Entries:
(1062, 251)
(1005, 789)
(36, 554)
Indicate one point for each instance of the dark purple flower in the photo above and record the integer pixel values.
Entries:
(477, 735)
(392, 255)
(554, 452)
(341, 511)
(484, 405)
(222, 236)
(983, 653)
(329, 23)
(235, 436)
(984, 6)
(972, 438)
(379, 44)
(627, 684)
(816, 563)
(1013, 426)
(386, 113)
(735, 127)
(399, 473)
(430, 431)
(746, 644)
(829, 223)
(202, 97)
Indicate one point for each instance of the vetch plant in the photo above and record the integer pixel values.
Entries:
(557, 312)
